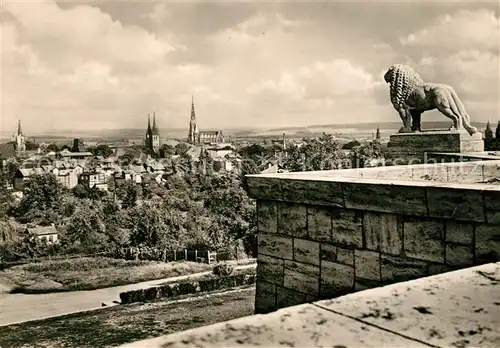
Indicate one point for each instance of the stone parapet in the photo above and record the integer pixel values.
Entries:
(456, 309)
(325, 234)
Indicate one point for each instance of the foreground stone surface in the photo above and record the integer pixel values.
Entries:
(455, 309)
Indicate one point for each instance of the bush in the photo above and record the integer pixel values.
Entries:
(223, 270)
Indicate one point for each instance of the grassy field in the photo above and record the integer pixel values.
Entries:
(117, 325)
(93, 273)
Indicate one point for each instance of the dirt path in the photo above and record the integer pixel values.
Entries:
(18, 308)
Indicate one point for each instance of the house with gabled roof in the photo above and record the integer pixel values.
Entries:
(47, 234)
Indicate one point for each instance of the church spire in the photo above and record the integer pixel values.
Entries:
(19, 129)
(193, 116)
(155, 128)
(193, 128)
(149, 123)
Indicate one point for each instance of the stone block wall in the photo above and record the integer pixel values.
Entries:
(328, 237)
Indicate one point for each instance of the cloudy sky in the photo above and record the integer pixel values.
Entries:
(95, 65)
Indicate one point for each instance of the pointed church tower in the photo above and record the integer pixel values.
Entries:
(155, 135)
(19, 129)
(149, 136)
(193, 127)
(377, 135)
(19, 140)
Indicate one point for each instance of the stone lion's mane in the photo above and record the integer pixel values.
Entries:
(402, 81)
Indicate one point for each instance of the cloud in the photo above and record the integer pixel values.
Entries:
(463, 30)
(65, 39)
(95, 65)
(462, 50)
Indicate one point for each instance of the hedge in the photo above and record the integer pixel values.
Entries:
(186, 288)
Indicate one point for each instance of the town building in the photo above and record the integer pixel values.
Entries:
(46, 234)
(94, 179)
(70, 155)
(197, 137)
(152, 141)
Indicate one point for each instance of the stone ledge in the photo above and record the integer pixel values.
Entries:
(430, 194)
(453, 309)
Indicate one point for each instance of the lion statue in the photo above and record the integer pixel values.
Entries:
(411, 96)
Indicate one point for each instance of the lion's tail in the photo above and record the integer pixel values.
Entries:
(459, 108)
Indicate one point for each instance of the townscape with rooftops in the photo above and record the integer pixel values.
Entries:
(375, 234)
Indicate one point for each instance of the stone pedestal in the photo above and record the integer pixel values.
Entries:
(416, 147)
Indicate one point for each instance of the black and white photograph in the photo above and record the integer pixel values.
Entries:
(237, 173)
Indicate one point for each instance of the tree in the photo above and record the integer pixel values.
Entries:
(53, 147)
(41, 199)
(6, 198)
(86, 229)
(181, 148)
(322, 153)
(350, 145)
(166, 150)
(130, 197)
(362, 155)
(157, 225)
(101, 150)
(31, 146)
(126, 158)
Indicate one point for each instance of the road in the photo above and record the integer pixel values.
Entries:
(18, 308)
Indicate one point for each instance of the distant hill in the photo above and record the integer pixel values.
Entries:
(243, 132)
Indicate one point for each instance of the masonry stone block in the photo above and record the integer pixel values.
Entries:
(364, 284)
(491, 172)
(459, 232)
(270, 269)
(492, 206)
(337, 254)
(396, 269)
(493, 217)
(319, 223)
(264, 188)
(409, 200)
(456, 204)
(328, 252)
(471, 172)
(267, 216)
(437, 268)
(367, 264)
(274, 245)
(328, 193)
(347, 227)
(265, 297)
(487, 243)
(292, 219)
(286, 298)
(345, 256)
(336, 279)
(459, 255)
(302, 277)
(306, 251)
(423, 239)
(383, 232)
(492, 199)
